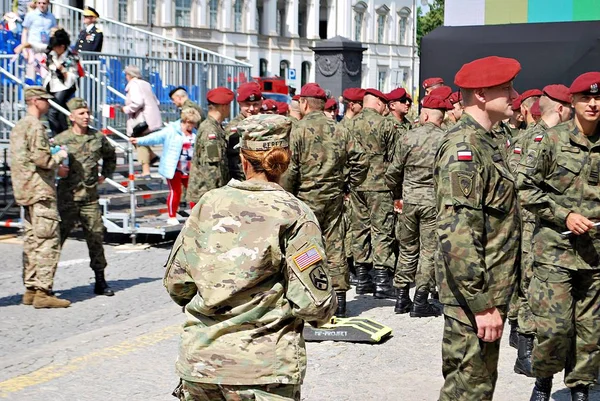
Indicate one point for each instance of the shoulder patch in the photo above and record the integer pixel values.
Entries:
(538, 138)
(464, 156)
(307, 258)
(517, 151)
(233, 129)
(319, 278)
(212, 136)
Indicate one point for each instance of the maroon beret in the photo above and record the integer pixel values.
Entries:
(249, 91)
(429, 82)
(354, 94)
(296, 97)
(559, 93)
(396, 94)
(455, 97)
(282, 108)
(586, 83)
(330, 104)
(269, 104)
(434, 102)
(313, 90)
(220, 95)
(377, 93)
(443, 92)
(487, 72)
(531, 92)
(535, 109)
(516, 103)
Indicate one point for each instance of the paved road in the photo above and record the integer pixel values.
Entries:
(124, 347)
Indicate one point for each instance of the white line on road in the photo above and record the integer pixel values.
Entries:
(67, 263)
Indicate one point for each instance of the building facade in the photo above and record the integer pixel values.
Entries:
(276, 35)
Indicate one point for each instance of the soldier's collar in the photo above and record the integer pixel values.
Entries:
(252, 185)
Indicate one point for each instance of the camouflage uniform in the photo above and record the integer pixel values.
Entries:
(478, 229)
(559, 177)
(502, 135)
(78, 192)
(33, 171)
(188, 104)
(410, 177)
(209, 164)
(323, 154)
(233, 154)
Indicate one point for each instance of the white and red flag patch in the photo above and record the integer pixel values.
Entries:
(465, 156)
(212, 136)
(517, 151)
(539, 138)
(307, 258)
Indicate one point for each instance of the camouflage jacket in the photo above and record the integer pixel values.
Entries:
(560, 176)
(233, 155)
(209, 164)
(189, 104)
(368, 127)
(502, 136)
(478, 223)
(410, 176)
(520, 144)
(249, 266)
(32, 166)
(323, 152)
(85, 151)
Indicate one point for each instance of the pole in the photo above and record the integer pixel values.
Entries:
(414, 51)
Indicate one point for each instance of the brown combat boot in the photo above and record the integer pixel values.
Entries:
(28, 296)
(43, 300)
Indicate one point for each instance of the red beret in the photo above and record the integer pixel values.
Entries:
(535, 109)
(443, 92)
(559, 93)
(313, 90)
(409, 97)
(396, 94)
(375, 92)
(487, 72)
(269, 104)
(282, 108)
(220, 95)
(530, 93)
(249, 91)
(455, 97)
(586, 83)
(516, 104)
(429, 82)
(330, 104)
(434, 102)
(354, 94)
(296, 97)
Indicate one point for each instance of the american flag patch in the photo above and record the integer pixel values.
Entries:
(465, 156)
(517, 151)
(307, 258)
(538, 138)
(212, 136)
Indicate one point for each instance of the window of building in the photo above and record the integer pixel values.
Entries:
(302, 24)
(213, 9)
(259, 17)
(263, 67)
(360, 9)
(284, 66)
(281, 27)
(122, 13)
(182, 12)
(403, 15)
(237, 15)
(305, 76)
(152, 11)
(382, 15)
(381, 77)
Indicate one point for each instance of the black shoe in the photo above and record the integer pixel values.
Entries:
(353, 279)
(101, 287)
(383, 285)
(341, 308)
(513, 339)
(364, 284)
(523, 362)
(422, 308)
(580, 393)
(542, 389)
(403, 302)
(155, 159)
(435, 296)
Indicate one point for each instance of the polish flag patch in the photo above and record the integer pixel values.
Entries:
(465, 156)
(517, 151)
(508, 143)
(538, 138)
(212, 136)
(233, 129)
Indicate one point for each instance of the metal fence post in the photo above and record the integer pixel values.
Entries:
(132, 197)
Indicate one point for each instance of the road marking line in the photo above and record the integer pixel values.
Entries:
(53, 371)
(67, 263)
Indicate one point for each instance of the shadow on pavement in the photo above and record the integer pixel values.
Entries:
(363, 303)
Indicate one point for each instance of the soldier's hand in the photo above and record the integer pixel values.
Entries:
(578, 224)
(63, 171)
(398, 205)
(489, 325)
(101, 179)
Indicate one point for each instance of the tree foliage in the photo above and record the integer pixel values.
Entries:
(428, 22)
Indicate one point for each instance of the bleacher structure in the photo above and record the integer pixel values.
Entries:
(130, 205)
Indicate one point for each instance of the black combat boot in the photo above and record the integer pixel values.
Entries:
(422, 308)
(403, 302)
(513, 339)
(523, 362)
(352, 270)
(364, 284)
(580, 393)
(542, 389)
(383, 285)
(435, 296)
(101, 287)
(341, 300)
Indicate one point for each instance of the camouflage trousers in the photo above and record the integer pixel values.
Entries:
(41, 245)
(88, 214)
(525, 317)
(347, 230)
(469, 365)
(418, 242)
(190, 391)
(372, 227)
(567, 317)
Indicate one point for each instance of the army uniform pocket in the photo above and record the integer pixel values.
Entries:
(45, 220)
(503, 194)
(568, 166)
(213, 151)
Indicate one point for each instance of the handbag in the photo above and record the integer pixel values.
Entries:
(140, 130)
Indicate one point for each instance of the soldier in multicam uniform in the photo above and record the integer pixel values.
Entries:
(478, 229)
(559, 183)
(410, 177)
(209, 164)
(33, 171)
(324, 155)
(372, 204)
(250, 269)
(78, 191)
(181, 99)
(249, 98)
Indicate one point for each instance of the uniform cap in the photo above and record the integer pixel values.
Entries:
(396, 95)
(90, 12)
(435, 102)
(220, 95)
(331, 104)
(535, 109)
(516, 103)
(296, 97)
(443, 92)
(263, 132)
(282, 108)
(487, 72)
(269, 104)
(529, 93)
(586, 83)
(377, 93)
(249, 92)
(313, 90)
(455, 97)
(354, 94)
(429, 82)
(559, 93)
(77, 103)
(172, 91)
(32, 92)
